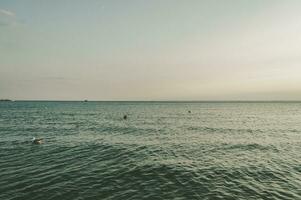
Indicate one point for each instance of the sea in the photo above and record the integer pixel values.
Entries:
(162, 150)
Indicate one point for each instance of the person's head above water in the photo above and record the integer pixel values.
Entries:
(37, 141)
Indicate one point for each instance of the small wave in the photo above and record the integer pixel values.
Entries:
(207, 129)
(249, 147)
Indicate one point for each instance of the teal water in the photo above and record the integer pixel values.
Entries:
(218, 151)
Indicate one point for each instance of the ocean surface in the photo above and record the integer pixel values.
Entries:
(221, 150)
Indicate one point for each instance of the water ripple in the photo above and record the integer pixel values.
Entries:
(219, 151)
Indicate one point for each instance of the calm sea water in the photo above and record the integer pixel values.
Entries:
(218, 151)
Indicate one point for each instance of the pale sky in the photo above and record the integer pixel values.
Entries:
(150, 49)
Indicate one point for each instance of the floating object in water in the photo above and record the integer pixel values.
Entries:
(37, 141)
(125, 116)
(189, 111)
(86, 100)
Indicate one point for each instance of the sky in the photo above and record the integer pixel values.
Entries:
(150, 50)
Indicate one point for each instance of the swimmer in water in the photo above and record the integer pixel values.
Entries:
(125, 117)
(37, 141)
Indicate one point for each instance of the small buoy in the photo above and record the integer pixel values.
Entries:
(125, 116)
(189, 111)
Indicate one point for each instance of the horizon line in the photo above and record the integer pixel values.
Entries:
(192, 101)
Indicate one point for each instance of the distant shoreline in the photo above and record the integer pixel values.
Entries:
(158, 101)
(5, 100)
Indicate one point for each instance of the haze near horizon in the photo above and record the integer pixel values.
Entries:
(150, 50)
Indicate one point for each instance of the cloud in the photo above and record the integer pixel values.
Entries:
(51, 79)
(7, 18)
(7, 13)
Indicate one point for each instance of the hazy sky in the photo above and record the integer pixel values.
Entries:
(150, 49)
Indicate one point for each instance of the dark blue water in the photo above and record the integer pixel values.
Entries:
(218, 151)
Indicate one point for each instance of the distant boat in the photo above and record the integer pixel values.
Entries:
(85, 100)
(5, 100)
